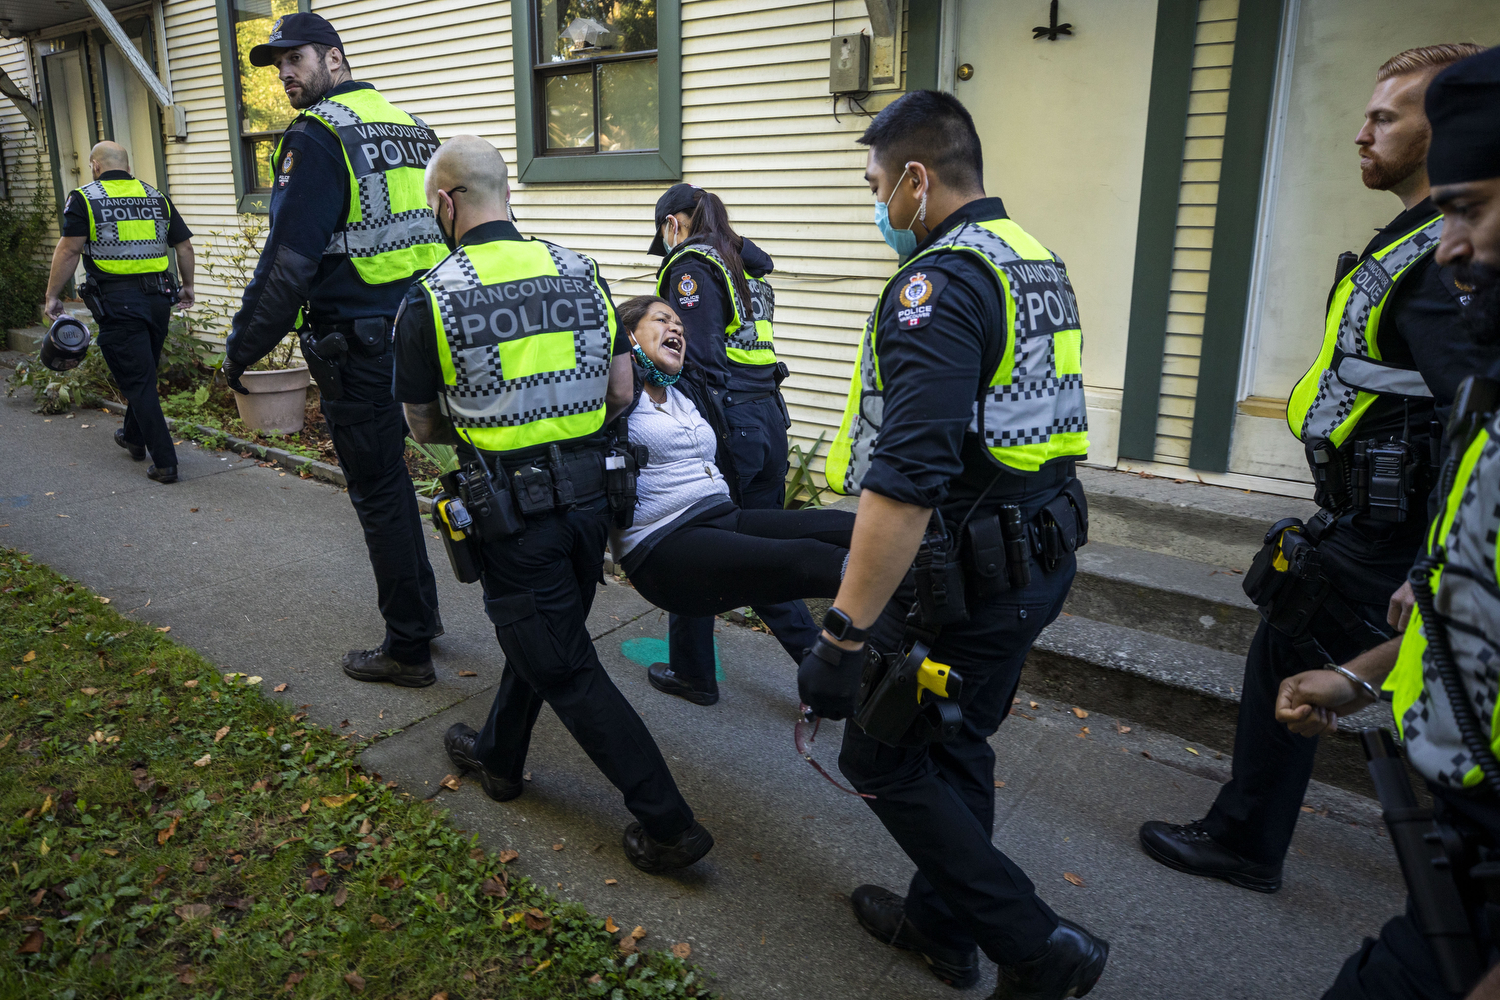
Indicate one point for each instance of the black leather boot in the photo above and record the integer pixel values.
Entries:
(1068, 965)
(137, 451)
(653, 856)
(459, 742)
(164, 475)
(1190, 849)
(376, 665)
(662, 678)
(883, 914)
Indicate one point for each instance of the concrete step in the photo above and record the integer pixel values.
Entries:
(1183, 687)
(27, 340)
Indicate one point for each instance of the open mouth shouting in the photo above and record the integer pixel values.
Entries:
(671, 347)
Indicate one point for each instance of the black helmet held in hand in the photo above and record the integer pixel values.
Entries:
(65, 344)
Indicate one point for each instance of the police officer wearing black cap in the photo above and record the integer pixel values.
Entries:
(122, 228)
(717, 281)
(1440, 675)
(965, 417)
(350, 229)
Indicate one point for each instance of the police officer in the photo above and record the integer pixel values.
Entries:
(508, 350)
(1393, 353)
(978, 414)
(122, 227)
(1449, 646)
(717, 281)
(349, 230)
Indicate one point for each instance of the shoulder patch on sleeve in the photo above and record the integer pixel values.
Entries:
(916, 295)
(286, 166)
(686, 290)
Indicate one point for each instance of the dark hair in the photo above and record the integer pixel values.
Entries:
(632, 311)
(933, 129)
(710, 223)
(323, 50)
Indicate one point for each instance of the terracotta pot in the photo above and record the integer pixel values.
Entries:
(277, 400)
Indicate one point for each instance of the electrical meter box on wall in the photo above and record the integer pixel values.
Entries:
(849, 64)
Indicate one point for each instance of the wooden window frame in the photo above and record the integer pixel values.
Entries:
(661, 164)
(247, 198)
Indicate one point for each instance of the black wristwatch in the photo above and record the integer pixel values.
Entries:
(841, 627)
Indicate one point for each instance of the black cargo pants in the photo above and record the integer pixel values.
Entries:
(131, 335)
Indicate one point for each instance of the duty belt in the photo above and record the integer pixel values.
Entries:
(557, 480)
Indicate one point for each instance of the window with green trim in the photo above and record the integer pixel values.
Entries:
(598, 89)
(263, 110)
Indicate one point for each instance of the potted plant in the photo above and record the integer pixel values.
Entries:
(278, 383)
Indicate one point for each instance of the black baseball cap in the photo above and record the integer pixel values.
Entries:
(677, 198)
(292, 31)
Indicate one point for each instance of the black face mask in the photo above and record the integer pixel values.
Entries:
(450, 238)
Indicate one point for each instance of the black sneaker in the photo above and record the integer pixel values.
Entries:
(883, 914)
(377, 665)
(661, 677)
(664, 855)
(137, 451)
(459, 742)
(1190, 849)
(164, 475)
(1068, 965)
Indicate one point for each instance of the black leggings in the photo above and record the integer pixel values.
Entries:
(746, 557)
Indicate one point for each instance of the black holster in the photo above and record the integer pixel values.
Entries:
(325, 357)
(939, 577)
(622, 465)
(454, 526)
(486, 500)
(93, 297)
(907, 700)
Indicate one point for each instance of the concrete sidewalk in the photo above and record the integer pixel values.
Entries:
(267, 574)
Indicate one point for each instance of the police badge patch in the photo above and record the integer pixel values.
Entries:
(288, 164)
(687, 292)
(916, 298)
(276, 30)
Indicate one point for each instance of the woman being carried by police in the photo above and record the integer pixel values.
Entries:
(693, 549)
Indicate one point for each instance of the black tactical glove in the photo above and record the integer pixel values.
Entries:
(232, 373)
(828, 679)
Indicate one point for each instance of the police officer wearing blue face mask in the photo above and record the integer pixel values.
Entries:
(977, 415)
(717, 282)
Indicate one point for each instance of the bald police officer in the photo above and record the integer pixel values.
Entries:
(350, 228)
(122, 228)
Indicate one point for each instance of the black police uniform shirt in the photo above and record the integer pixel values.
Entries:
(309, 203)
(1422, 326)
(76, 222)
(924, 455)
(418, 377)
(707, 309)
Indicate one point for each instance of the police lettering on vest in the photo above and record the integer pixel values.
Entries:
(128, 222)
(1032, 409)
(750, 339)
(389, 234)
(525, 335)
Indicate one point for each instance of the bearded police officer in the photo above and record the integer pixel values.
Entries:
(349, 230)
(122, 227)
(965, 417)
(1440, 675)
(719, 284)
(1393, 353)
(508, 350)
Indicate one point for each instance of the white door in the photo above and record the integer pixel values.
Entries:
(67, 93)
(132, 112)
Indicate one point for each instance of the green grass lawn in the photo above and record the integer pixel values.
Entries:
(169, 831)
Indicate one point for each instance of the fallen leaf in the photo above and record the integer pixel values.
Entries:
(541, 966)
(200, 866)
(627, 946)
(165, 628)
(163, 836)
(336, 801)
(610, 925)
(6, 741)
(317, 881)
(1081, 713)
(341, 897)
(102, 600)
(365, 828)
(999, 784)
(451, 782)
(293, 979)
(1121, 729)
(505, 857)
(305, 806)
(1307, 809)
(279, 688)
(221, 734)
(69, 515)
(32, 944)
(1071, 877)
(638, 933)
(557, 847)
(468, 673)
(356, 981)
(203, 761)
(494, 887)
(682, 949)
(218, 933)
(392, 882)
(89, 691)
(186, 976)
(190, 684)
(30, 655)
(253, 680)
(110, 851)
(379, 923)
(537, 920)
(611, 881)
(1192, 751)
(193, 911)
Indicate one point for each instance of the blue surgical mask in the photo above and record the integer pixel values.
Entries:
(903, 241)
(654, 375)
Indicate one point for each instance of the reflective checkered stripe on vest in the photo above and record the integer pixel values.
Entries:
(1466, 594)
(749, 337)
(525, 335)
(1349, 374)
(390, 233)
(1033, 409)
(128, 222)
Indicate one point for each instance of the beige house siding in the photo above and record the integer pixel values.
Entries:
(24, 150)
(1197, 202)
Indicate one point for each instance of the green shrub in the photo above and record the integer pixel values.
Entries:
(23, 275)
